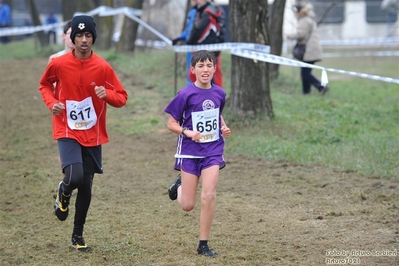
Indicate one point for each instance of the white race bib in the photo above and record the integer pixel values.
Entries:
(81, 115)
(207, 123)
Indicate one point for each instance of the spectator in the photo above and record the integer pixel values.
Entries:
(186, 34)
(27, 23)
(306, 33)
(206, 31)
(392, 8)
(51, 19)
(5, 20)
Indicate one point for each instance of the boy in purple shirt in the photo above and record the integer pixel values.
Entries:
(196, 116)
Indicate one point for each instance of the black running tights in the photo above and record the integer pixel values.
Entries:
(75, 178)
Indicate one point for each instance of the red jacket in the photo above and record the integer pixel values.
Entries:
(206, 28)
(76, 80)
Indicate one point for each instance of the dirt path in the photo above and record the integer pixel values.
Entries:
(268, 213)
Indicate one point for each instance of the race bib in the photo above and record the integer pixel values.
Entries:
(207, 123)
(81, 115)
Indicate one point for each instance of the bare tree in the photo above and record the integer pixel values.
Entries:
(34, 14)
(69, 7)
(188, 8)
(129, 31)
(250, 92)
(276, 33)
(84, 5)
(104, 27)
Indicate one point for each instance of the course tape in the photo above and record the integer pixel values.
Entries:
(101, 11)
(265, 57)
(361, 54)
(12, 31)
(363, 75)
(256, 52)
(369, 41)
(104, 11)
(222, 47)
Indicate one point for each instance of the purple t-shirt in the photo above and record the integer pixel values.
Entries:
(199, 110)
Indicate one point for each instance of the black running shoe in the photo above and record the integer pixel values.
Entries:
(79, 244)
(61, 204)
(206, 251)
(173, 188)
(324, 90)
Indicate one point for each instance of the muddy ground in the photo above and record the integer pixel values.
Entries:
(268, 212)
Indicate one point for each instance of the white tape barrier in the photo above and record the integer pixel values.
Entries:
(104, 11)
(274, 59)
(134, 14)
(363, 75)
(359, 42)
(101, 11)
(131, 13)
(253, 51)
(222, 47)
(258, 52)
(265, 57)
(361, 54)
(12, 31)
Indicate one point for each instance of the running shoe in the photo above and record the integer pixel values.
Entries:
(173, 188)
(79, 244)
(61, 204)
(206, 251)
(324, 90)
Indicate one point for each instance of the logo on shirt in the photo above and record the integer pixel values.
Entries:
(208, 105)
(81, 26)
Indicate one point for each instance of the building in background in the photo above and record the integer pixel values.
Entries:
(350, 19)
(347, 20)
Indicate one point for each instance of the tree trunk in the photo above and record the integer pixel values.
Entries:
(188, 8)
(129, 30)
(69, 7)
(250, 91)
(34, 15)
(276, 34)
(104, 27)
(84, 5)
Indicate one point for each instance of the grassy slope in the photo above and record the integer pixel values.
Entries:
(353, 127)
(283, 214)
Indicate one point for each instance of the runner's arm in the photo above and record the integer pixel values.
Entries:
(225, 130)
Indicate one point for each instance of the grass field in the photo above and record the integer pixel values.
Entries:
(351, 128)
(322, 177)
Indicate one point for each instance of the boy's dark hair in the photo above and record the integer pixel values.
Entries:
(201, 56)
(67, 26)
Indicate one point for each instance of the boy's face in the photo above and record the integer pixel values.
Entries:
(83, 43)
(203, 71)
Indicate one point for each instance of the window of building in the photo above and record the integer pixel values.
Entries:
(375, 13)
(329, 11)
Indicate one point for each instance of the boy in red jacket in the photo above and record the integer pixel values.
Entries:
(86, 83)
